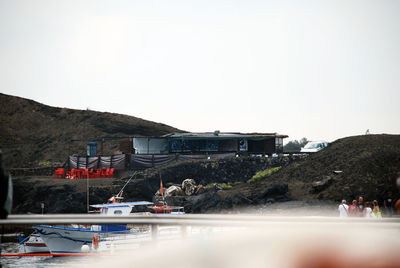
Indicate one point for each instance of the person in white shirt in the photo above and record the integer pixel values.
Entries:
(343, 209)
(367, 212)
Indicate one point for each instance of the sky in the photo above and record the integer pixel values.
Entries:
(319, 69)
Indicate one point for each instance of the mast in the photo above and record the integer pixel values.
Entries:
(118, 197)
(162, 192)
(87, 191)
(120, 192)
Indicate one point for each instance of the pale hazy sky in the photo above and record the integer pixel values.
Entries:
(316, 69)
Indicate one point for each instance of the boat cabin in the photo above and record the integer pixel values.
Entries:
(122, 209)
(116, 209)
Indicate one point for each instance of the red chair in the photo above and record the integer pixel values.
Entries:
(72, 174)
(111, 173)
(59, 172)
(84, 173)
(98, 173)
(78, 173)
(105, 172)
(101, 172)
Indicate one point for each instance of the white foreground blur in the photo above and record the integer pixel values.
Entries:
(327, 243)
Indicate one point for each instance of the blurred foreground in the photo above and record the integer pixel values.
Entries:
(269, 241)
(278, 244)
(303, 242)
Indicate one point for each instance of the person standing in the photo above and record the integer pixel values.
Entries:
(343, 209)
(353, 209)
(388, 204)
(376, 210)
(367, 212)
(360, 205)
(397, 206)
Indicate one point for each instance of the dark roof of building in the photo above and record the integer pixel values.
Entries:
(217, 134)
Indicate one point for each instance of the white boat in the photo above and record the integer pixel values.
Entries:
(75, 239)
(32, 244)
(71, 239)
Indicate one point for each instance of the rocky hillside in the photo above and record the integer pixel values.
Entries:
(366, 165)
(33, 134)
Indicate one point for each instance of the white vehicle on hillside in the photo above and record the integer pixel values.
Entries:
(314, 146)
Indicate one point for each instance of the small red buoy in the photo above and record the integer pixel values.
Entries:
(95, 242)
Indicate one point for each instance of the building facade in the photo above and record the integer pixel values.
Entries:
(210, 143)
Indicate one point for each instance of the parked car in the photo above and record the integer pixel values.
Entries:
(314, 146)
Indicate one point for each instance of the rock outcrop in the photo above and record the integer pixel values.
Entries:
(189, 187)
(174, 191)
(320, 185)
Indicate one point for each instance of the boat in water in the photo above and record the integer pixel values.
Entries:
(163, 208)
(75, 238)
(72, 239)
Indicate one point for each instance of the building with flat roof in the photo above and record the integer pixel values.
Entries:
(210, 143)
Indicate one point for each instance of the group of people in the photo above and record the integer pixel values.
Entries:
(366, 209)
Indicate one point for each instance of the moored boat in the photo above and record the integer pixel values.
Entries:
(64, 239)
(71, 239)
(75, 239)
(164, 208)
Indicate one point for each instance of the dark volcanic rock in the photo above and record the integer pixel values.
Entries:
(318, 186)
(205, 172)
(274, 192)
(369, 165)
(202, 203)
(240, 200)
